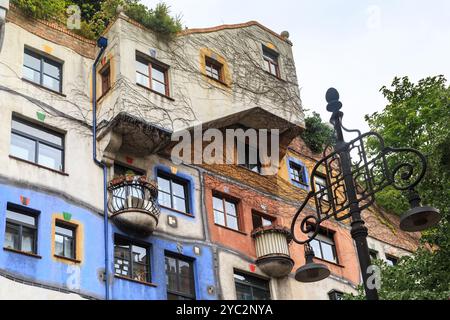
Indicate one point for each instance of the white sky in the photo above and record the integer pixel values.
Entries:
(356, 46)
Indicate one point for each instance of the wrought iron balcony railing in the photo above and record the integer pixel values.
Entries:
(133, 203)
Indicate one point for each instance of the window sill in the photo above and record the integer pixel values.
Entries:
(226, 228)
(329, 262)
(28, 254)
(67, 259)
(43, 87)
(148, 284)
(179, 212)
(39, 166)
(274, 76)
(155, 92)
(218, 81)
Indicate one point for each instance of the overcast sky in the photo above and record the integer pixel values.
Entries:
(356, 46)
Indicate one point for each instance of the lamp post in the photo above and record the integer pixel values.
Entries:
(353, 178)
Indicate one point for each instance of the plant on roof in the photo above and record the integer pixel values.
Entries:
(317, 134)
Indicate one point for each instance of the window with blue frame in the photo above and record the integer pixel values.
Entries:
(173, 192)
(131, 260)
(298, 174)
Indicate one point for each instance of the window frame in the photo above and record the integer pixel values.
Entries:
(391, 260)
(329, 235)
(37, 141)
(71, 227)
(131, 262)
(158, 65)
(44, 59)
(271, 58)
(213, 63)
(20, 225)
(105, 70)
(299, 167)
(252, 286)
(187, 192)
(188, 260)
(225, 199)
(263, 217)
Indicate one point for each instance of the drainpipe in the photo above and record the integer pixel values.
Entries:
(102, 43)
(4, 7)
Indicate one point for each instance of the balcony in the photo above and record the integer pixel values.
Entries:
(133, 203)
(272, 250)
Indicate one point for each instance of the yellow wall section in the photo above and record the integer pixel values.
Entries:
(79, 236)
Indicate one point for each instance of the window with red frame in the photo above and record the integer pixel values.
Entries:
(152, 75)
(271, 61)
(226, 212)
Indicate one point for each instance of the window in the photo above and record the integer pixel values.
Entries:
(105, 74)
(152, 75)
(36, 144)
(251, 288)
(322, 185)
(335, 295)
(260, 221)
(173, 192)
(213, 69)
(250, 155)
(179, 278)
(271, 61)
(297, 173)
(373, 254)
(42, 70)
(391, 260)
(131, 260)
(324, 247)
(225, 212)
(65, 240)
(21, 229)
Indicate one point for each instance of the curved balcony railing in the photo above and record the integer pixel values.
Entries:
(272, 250)
(133, 203)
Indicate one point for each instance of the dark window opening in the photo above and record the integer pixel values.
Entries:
(21, 229)
(173, 192)
(36, 144)
(65, 240)
(250, 287)
(391, 260)
(250, 155)
(297, 172)
(152, 75)
(214, 69)
(179, 278)
(324, 246)
(271, 64)
(131, 260)
(259, 220)
(42, 70)
(225, 212)
(105, 75)
(373, 254)
(336, 295)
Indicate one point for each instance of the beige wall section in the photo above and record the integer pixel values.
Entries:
(383, 249)
(11, 290)
(280, 289)
(84, 178)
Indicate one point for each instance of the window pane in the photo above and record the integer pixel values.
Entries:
(51, 83)
(266, 222)
(52, 70)
(140, 272)
(143, 80)
(32, 62)
(257, 221)
(158, 75)
(11, 237)
(328, 253)
(22, 148)
(179, 204)
(69, 247)
(31, 75)
(260, 294)
(163, 185)
(59, 245)
(139, 254)
(38, 133)
(50, 157)
(219, 218)
(64, 231)
(316, 247)
(165, 199)
(217, 204)
(142, 68)
(243, 292)
(232, 222)
(230, 208)
(21, 218)
(178, 190)
(158, 87)
(185, 273)
(171, 274)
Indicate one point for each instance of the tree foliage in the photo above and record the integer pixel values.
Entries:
(418, 116)
(317, 134)
(96, 15)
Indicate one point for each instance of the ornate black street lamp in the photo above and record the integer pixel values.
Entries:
(353, 178)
